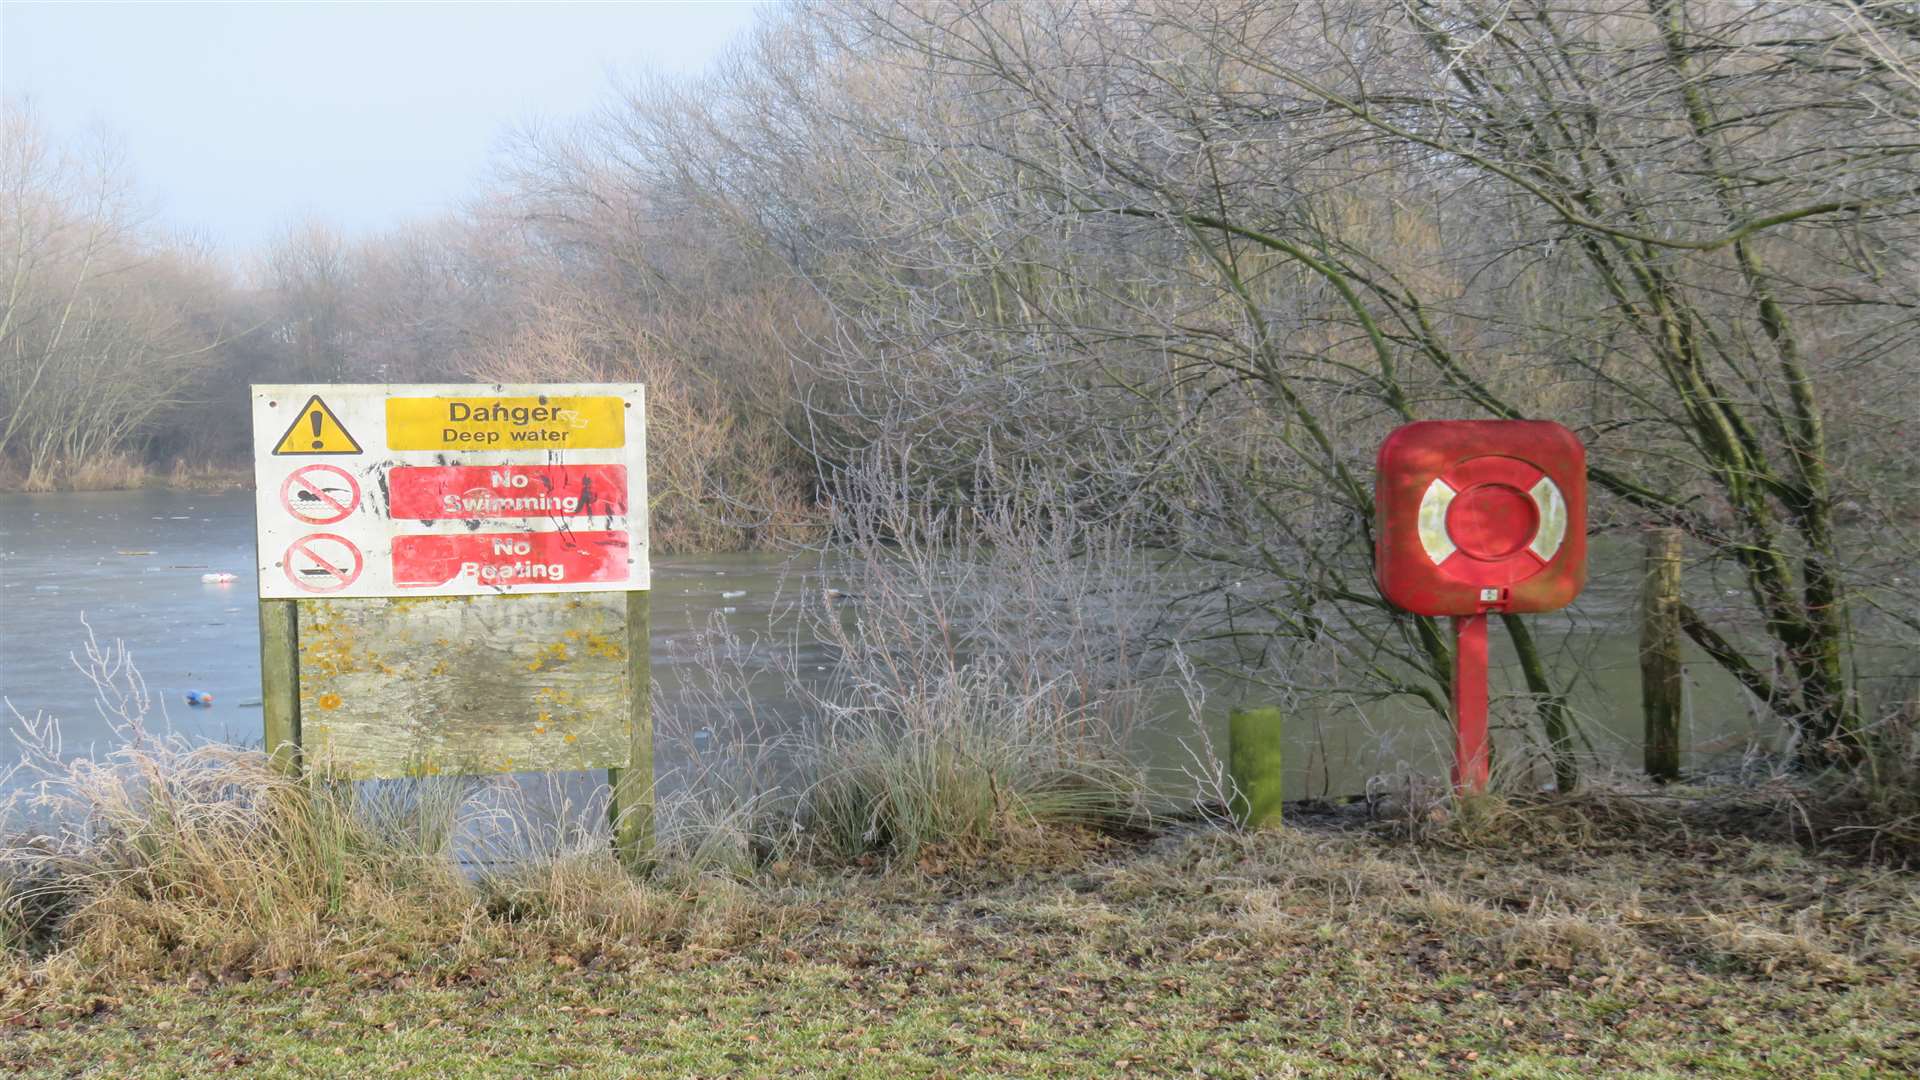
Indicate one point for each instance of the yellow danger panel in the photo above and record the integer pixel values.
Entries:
(506, 423)
(315, 430)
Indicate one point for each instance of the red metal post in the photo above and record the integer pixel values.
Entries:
(1470, 704)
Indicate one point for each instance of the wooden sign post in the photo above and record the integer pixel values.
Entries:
(454, 580)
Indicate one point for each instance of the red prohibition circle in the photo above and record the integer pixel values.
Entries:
(304, 496)
(311, 563)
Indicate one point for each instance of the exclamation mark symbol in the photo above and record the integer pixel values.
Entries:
(313, 419)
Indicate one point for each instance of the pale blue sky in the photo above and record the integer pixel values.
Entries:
(241, 117)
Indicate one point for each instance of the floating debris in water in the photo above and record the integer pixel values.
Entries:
(219, 578)
(734, 595)
(199, 699)
(132, 551)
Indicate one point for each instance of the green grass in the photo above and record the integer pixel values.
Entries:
(1294, 953)
(985, 1015)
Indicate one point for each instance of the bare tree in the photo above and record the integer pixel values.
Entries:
(104, 324)
(1200, 256)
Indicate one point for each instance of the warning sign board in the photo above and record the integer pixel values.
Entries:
(450, 490)
(315, 430)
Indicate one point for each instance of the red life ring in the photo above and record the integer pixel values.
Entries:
(1492, 521)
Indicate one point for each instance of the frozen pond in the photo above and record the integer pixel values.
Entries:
(132, 564)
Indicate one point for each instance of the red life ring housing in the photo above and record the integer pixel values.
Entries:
(1481, 515)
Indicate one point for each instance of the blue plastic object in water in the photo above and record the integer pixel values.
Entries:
(199, 699)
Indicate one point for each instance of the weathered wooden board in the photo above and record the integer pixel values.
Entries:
(394, 687)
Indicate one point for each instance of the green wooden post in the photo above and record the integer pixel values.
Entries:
(631, 806)
(1253, 761)
(280, 681)
(1661, 682)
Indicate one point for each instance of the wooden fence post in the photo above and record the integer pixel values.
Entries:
(631, 805)
(280, 682)
(1661, 684)
(1253, 761)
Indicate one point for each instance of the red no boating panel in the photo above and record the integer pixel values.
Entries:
(1475, 516)
(506, 491)
(508, 560)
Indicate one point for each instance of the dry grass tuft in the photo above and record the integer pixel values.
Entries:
(968, 762)
(1755, 908)
(109, 472)
(207, 476)
(166, 859)
(586, 904)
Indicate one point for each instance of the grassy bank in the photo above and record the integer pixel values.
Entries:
(943, 868)
(1574, 943)
(130, 474)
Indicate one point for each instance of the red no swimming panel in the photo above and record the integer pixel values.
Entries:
(464, 492)
(510, 560)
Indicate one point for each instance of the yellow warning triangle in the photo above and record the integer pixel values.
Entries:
(316, 431)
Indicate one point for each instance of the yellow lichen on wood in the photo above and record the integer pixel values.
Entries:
(549, 655)
(326, 646)
(600, 645)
